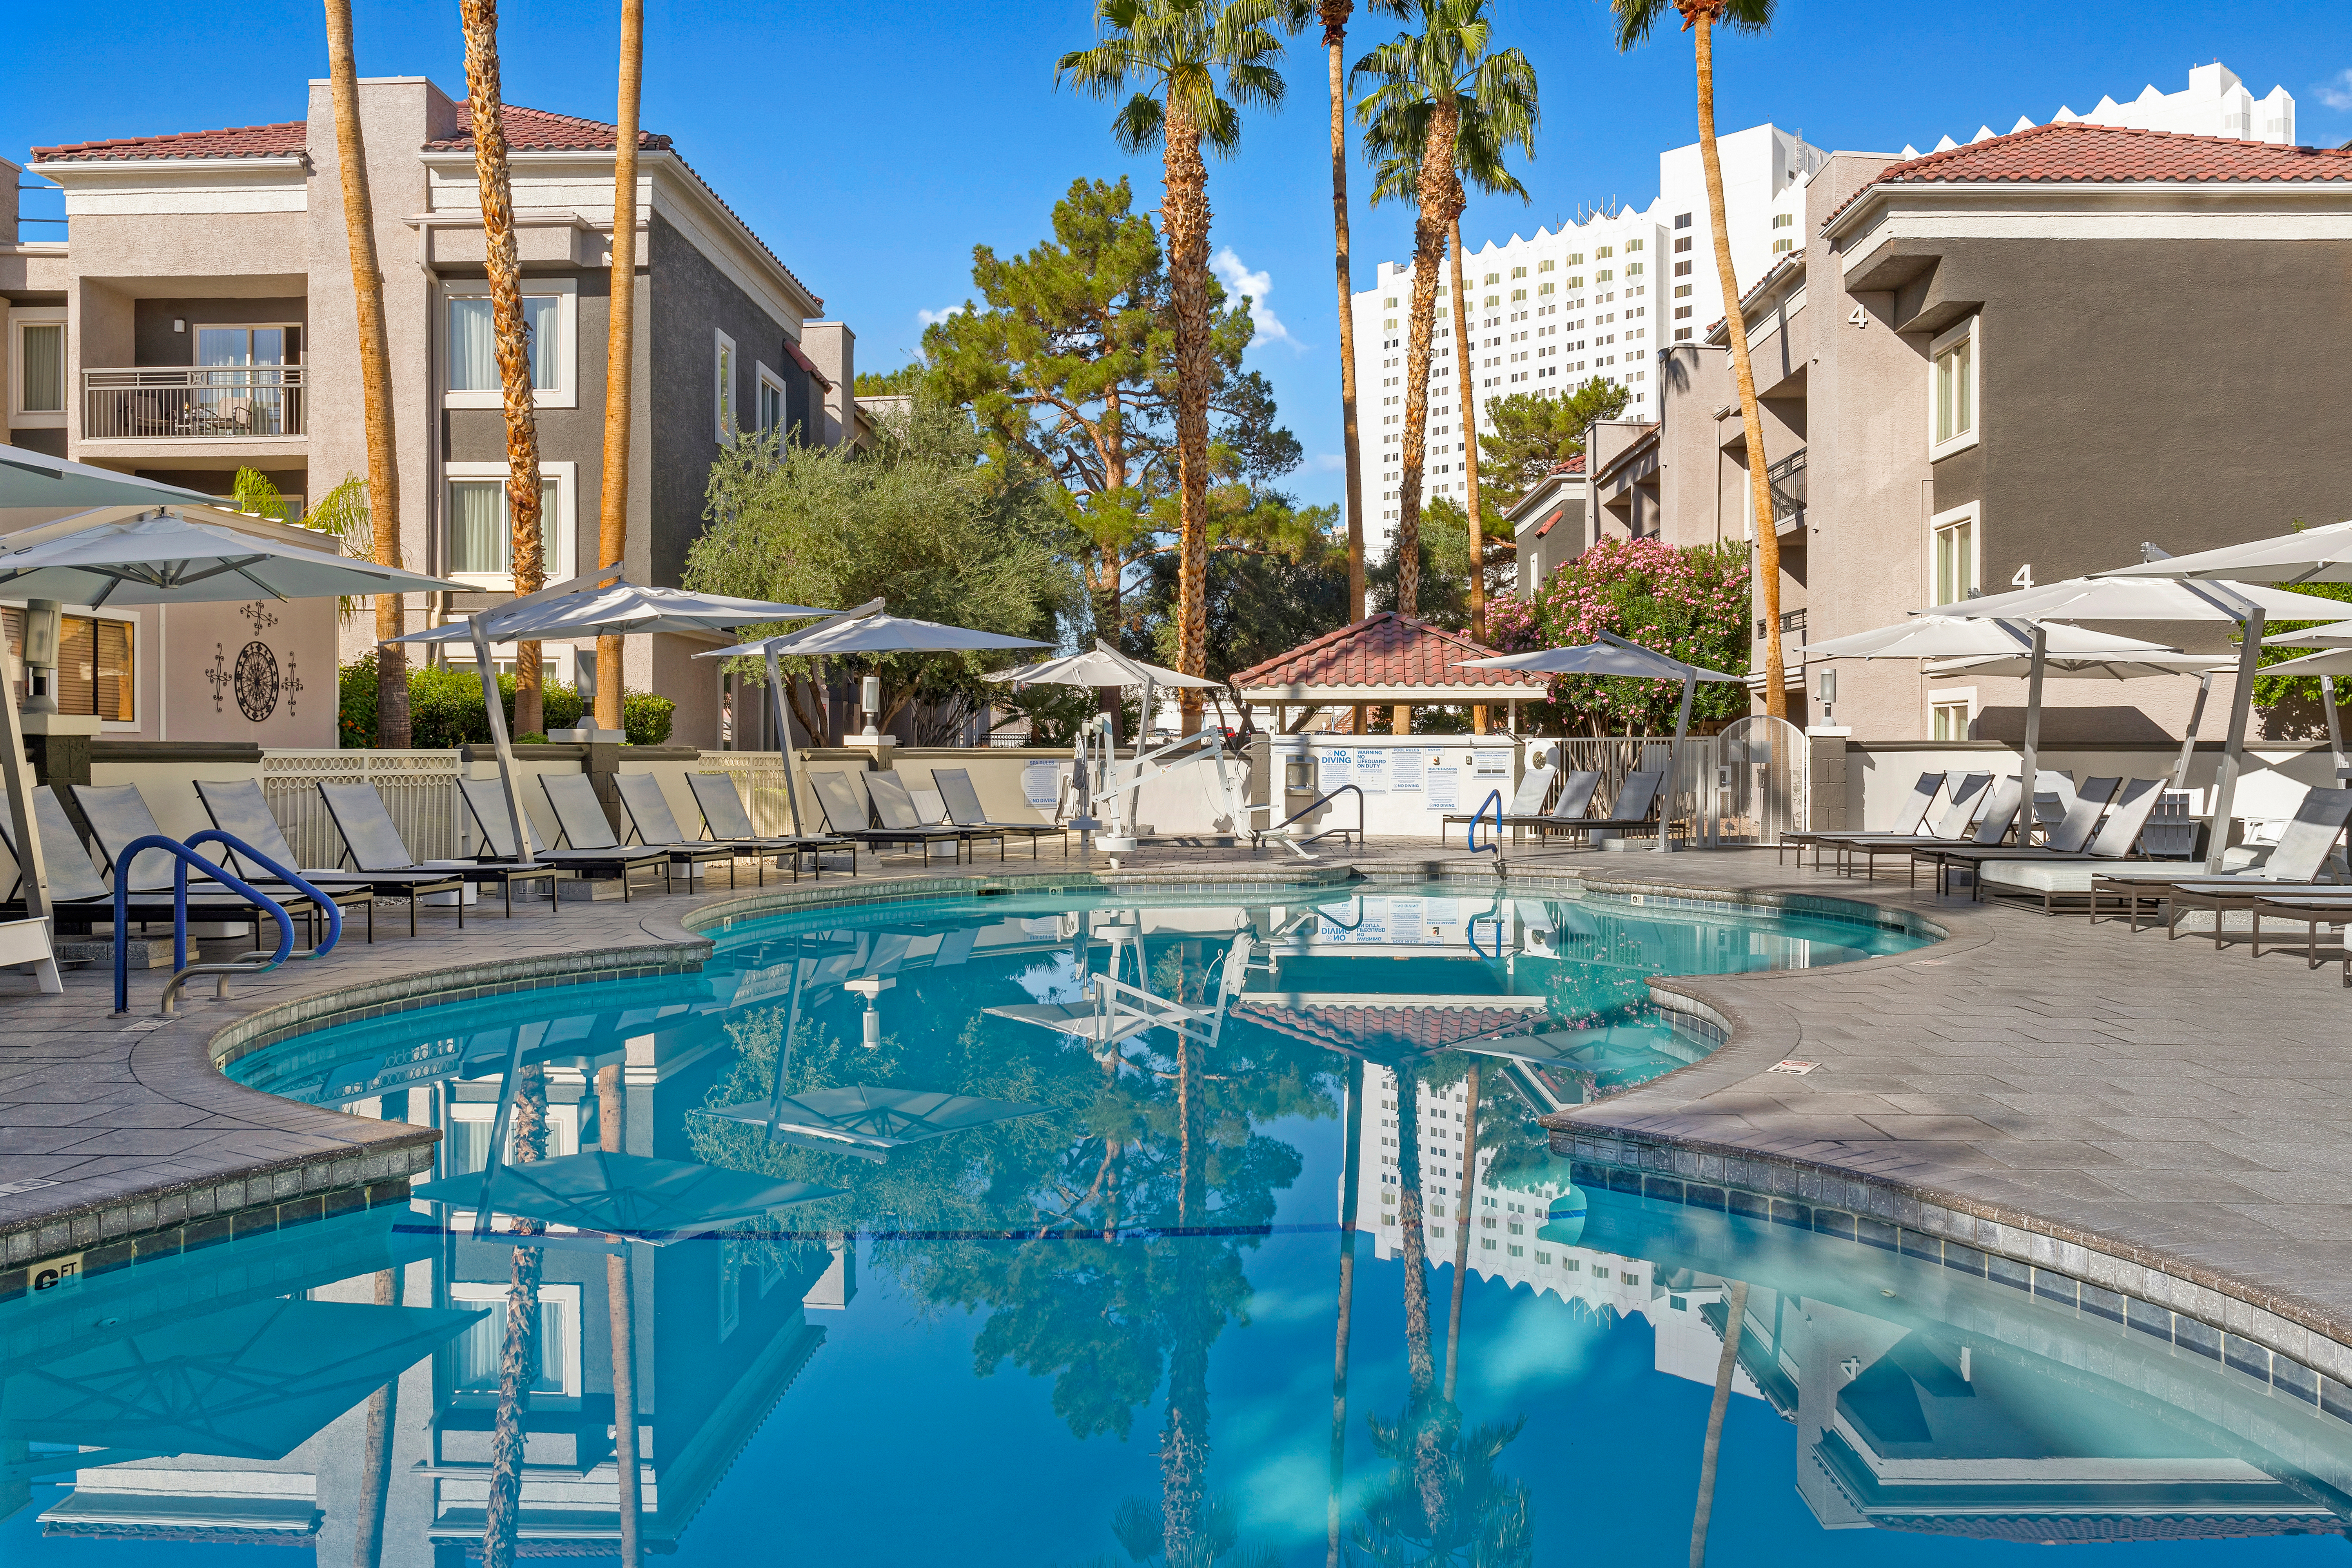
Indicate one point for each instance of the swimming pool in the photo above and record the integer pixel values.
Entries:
(1015, 1265)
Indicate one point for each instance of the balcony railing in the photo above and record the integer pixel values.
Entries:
(1790, 621)
(1786, 478)
(192, 402)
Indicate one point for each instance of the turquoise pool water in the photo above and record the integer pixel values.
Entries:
(1005, 1274)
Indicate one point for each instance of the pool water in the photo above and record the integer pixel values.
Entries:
(1018, 1266)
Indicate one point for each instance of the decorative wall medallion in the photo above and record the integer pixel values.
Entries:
(220, 675)
(293, 686)
(259, 614)
(256, 681)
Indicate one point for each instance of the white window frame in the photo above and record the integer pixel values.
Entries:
(763, 379)
(1943, 342)
(565, 393)
(1951, 697)
(562, 528)
(1972, 515)
(19, 318)
(493, 1294)
(725, 368)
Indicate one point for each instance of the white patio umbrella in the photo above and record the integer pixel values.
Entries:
(2321, 554)
(1613, 655)
(864, 629)
(164, 557)
(1942, 636)
(599, 604)
(2337, 659)
(1105, 666)
(2148, 595)
(2105, 666)
(35, 487)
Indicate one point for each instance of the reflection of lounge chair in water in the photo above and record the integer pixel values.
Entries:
(625, 1195)
(870, 1120)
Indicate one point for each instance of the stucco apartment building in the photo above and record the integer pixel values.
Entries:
(2015, 361)
(196, 317)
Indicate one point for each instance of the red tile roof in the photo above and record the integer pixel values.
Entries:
(2074, 153)
(1574, 464)
(1374, 1030)
(1557, 514)
(792, 351)
(1384, 650)
(235, 142)
(540, 131)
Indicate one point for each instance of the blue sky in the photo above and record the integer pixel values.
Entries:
(874, 144)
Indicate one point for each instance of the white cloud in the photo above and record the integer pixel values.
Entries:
(1327, 462)
(1240, 280)
(933, 318)
(2337, 91)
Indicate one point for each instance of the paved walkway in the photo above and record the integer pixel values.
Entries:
(2160, 1099)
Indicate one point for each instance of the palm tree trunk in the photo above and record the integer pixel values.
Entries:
(620, 1301)
(375, 1463)
(1335, 14)
(620, 348)
(1420, 1371)
(1184, 218)
(480, 20)
(392, 722)
(1469, 390)
(1725, 1366)
(1760, 485)
(1462, 1216)
(1431, 226)
(1351, 1176)
(519, 1357)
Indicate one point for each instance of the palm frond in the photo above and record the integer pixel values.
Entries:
(1635, 21)
(1138, 125)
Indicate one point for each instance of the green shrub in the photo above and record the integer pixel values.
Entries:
(446, 708)
(355, 702)
(646, 717)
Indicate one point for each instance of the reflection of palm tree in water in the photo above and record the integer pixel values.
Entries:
(1735, 1314)
(519, 1357)
(1482, 1519)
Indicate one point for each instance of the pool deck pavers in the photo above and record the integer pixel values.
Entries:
(2158, 1097)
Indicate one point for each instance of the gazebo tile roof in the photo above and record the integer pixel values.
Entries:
(1385, 649)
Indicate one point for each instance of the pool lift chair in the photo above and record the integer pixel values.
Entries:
(1116, 1010)
(1115, 783)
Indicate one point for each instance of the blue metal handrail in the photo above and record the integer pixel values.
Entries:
(284, 874)
(1492, 912)
(184, 856)
(1494, 799)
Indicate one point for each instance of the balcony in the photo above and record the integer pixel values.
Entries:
(198, 403)
(1786, 478)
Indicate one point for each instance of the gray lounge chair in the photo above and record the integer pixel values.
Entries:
(2067, 838)
(372, 841)
(1970, 794)
(1908, 818)
(2029, 874)
(238, 809)
(79, 899)
(486, 799)
(962, 802)
(896, 806)
(1629, 812)
(845, 818)
(119, 817)
(724, 818)
(582, 817)
(2292, 867)
(1525, 801)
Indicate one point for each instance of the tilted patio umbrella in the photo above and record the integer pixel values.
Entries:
(2337, 659)
(2321, 554)
(870, 1119)
(1940, 635)
(2150, 596)
(2105, 666)
(1105, 666)
(862, 630)
(598, 603)
(633, 1195)
(1613, 655)
(35, 487)
(175, 555)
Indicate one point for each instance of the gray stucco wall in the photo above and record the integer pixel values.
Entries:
(154, 341)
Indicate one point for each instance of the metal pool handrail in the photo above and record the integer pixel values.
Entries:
(182, 856)
(1258, 836)
(1494, 799)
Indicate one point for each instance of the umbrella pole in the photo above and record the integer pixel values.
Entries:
(2031, 775)
(2189, 741)
(1675, 768)
(32, 865)
(2241, 707)
(2334, 726)
(785, 1047)
(784, 736)
(511, 787)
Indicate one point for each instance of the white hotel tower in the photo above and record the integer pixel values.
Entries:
(1594, 298)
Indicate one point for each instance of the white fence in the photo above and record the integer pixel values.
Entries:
(419, 789)
(760, 779)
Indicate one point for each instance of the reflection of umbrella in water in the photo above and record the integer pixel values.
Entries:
(626, 1194)
(869, 1120)
(255, 1382)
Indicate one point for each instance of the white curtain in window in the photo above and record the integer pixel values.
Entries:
(43, 390)
(539, 312)
(473, 347)
(477, 527)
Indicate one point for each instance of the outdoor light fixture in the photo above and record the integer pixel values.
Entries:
(43, 629)
(870, 698)
(870, 986)
(1828, 692)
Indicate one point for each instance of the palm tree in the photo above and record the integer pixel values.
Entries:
(1635, 18)
(620, 346)
(480, 21)
(375, 1463)
(1463, 1192)
(518, 1352)
(620, 1290)
(1735, 1314)
(392, 728)
(1350, 1179)
(1427, 82)
(1334, 15)
(1174, 50)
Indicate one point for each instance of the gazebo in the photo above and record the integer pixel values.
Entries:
(1388, 659)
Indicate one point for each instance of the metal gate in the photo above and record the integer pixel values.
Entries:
(1756, 785)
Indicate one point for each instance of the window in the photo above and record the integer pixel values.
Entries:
(1954, 550)
(1952, 413)
(770, 411)
(1493, 278)
(1519, 272)
(1682, 220)
(38, 385)
(1633, 269)
(477, 1351)
(1682, 292)
(1631, 245)
(481, 534)
(1784, 220)
(1682, 332)
(1682, 245)
(97, 673)
(722, 368)
(1603, 276)
(1543, 266)
(1389, 303)
(1951, 714)
(1781, 244)
(1682, 268)
(1603, 251)
(469, 348)
(1517, 295)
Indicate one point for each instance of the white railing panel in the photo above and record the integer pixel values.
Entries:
(760, 779)
(419, 789)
